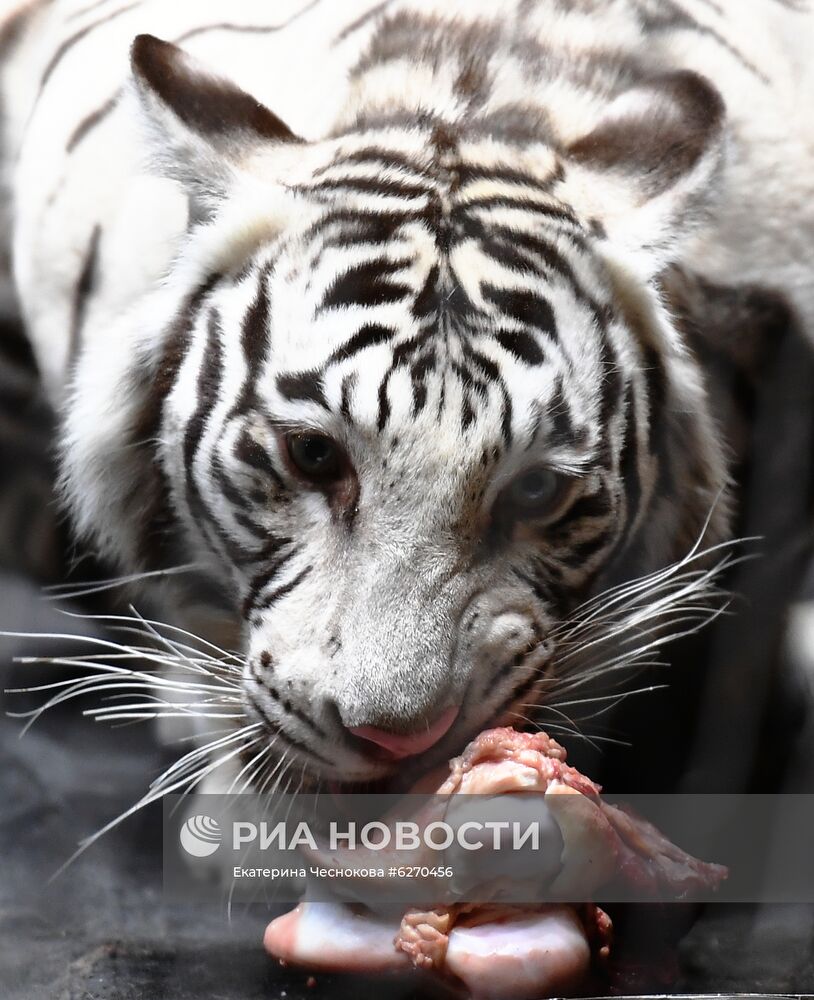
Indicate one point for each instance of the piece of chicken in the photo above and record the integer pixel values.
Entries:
(509, 951)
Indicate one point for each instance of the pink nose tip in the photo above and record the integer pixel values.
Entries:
(398, 746)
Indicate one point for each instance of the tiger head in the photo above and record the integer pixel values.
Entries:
(408, 396)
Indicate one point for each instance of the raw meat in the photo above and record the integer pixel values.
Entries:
(502, 950)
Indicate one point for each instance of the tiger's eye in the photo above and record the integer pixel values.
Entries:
(315, 456)
(536, 493)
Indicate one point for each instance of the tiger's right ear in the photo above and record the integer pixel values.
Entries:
(200, 126)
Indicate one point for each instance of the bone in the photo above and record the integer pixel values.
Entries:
(543, 954)
(334, 937)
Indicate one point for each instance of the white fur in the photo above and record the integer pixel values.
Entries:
(397, 593)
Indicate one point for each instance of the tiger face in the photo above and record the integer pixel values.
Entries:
(407, 507)
(416, 400)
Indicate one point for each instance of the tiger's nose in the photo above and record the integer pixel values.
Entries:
(398, 746)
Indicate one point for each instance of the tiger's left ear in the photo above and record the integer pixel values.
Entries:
(647, 169)
(200, 126)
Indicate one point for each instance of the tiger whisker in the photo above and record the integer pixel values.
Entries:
(251, 778)
(270, 776)
(180, 656)
(193, 756)
(573, 730)
(623, 676)
(605, 697)
(194, 707)
(635, 629)
(613, 700)
(34, 715)
(72, 591)
(594, 738)
(136, 679)
(695, 554)
(161, 639)
(149, 716)
(627, 661)
(109, 678)
(213, 669)
(197, 737)
(158, 790)
(188, 788)
(92, 641)
(694, 621)
(697, 582)
(157, 624)
(253, 762)
(575, 682)
(130, 653)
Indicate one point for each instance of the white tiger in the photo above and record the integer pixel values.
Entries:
(355, 305)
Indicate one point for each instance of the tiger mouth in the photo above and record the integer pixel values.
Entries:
(399, 778)
(420, 774)
(386, 775)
